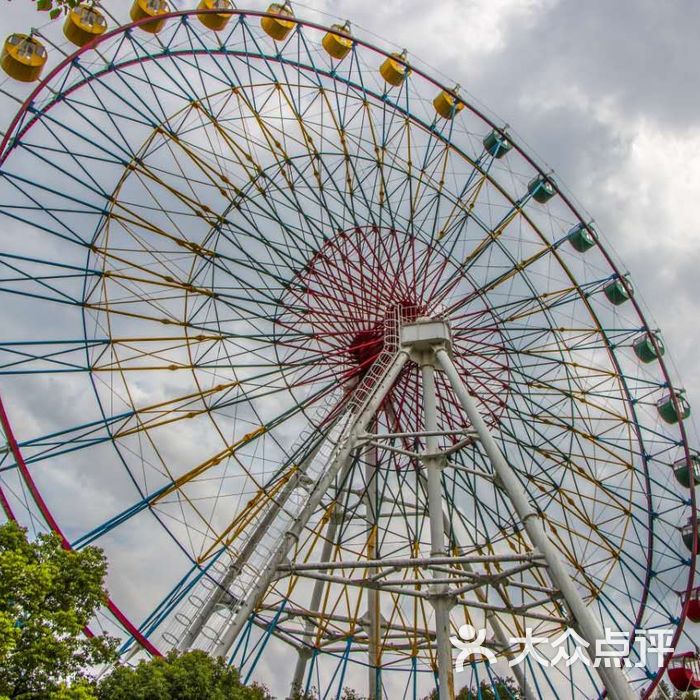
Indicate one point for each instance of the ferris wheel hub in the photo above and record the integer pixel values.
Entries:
(427, 334)
(366, 347)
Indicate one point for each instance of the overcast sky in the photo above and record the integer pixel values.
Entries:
(605, 92)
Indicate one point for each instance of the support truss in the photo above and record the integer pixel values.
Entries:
(456, 580)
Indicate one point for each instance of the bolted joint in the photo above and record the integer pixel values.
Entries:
(434, 460)
(305, 652)
(444, 599)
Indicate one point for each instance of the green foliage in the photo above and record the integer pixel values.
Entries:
(56, 7)
(499, 689)
(80, 690)
(664, 692)
(47, 597)
(348, 694)
(191, 676)
(311, 694)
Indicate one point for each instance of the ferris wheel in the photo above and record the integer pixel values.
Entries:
(330, 368)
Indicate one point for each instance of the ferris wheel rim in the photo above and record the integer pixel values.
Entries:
(7, 147)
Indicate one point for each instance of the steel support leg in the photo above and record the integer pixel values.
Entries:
(433, 466)
(304, 651)
(220, 595)
(344, 447)
(373, 600)
(499, 633)
(587, 626)
(492, 619)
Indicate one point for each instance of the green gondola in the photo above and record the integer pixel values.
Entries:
(542, 189)
(688, 535)
(582, 237)
(497, 144)
(673, 408)
(683, 468)
(619, 290)
(649, 347)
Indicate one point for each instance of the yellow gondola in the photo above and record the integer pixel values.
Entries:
(394, 72)
(215, 22)
(23, 57)
(338, 42)
(149, 8)
(83, 24)
(277, 27)
(447, 105)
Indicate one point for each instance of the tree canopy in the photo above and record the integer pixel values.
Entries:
(189, 676)
(312, 694)
(498, 689)
(664, 692)
(56, 7)
(47, 597)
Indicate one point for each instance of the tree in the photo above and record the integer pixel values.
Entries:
(498, 689)
(56, 7)
(300, 695)
(350, 694)
(664, 692)
(190, 676)
(47, 597)
(312, 694)
(80, 690)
